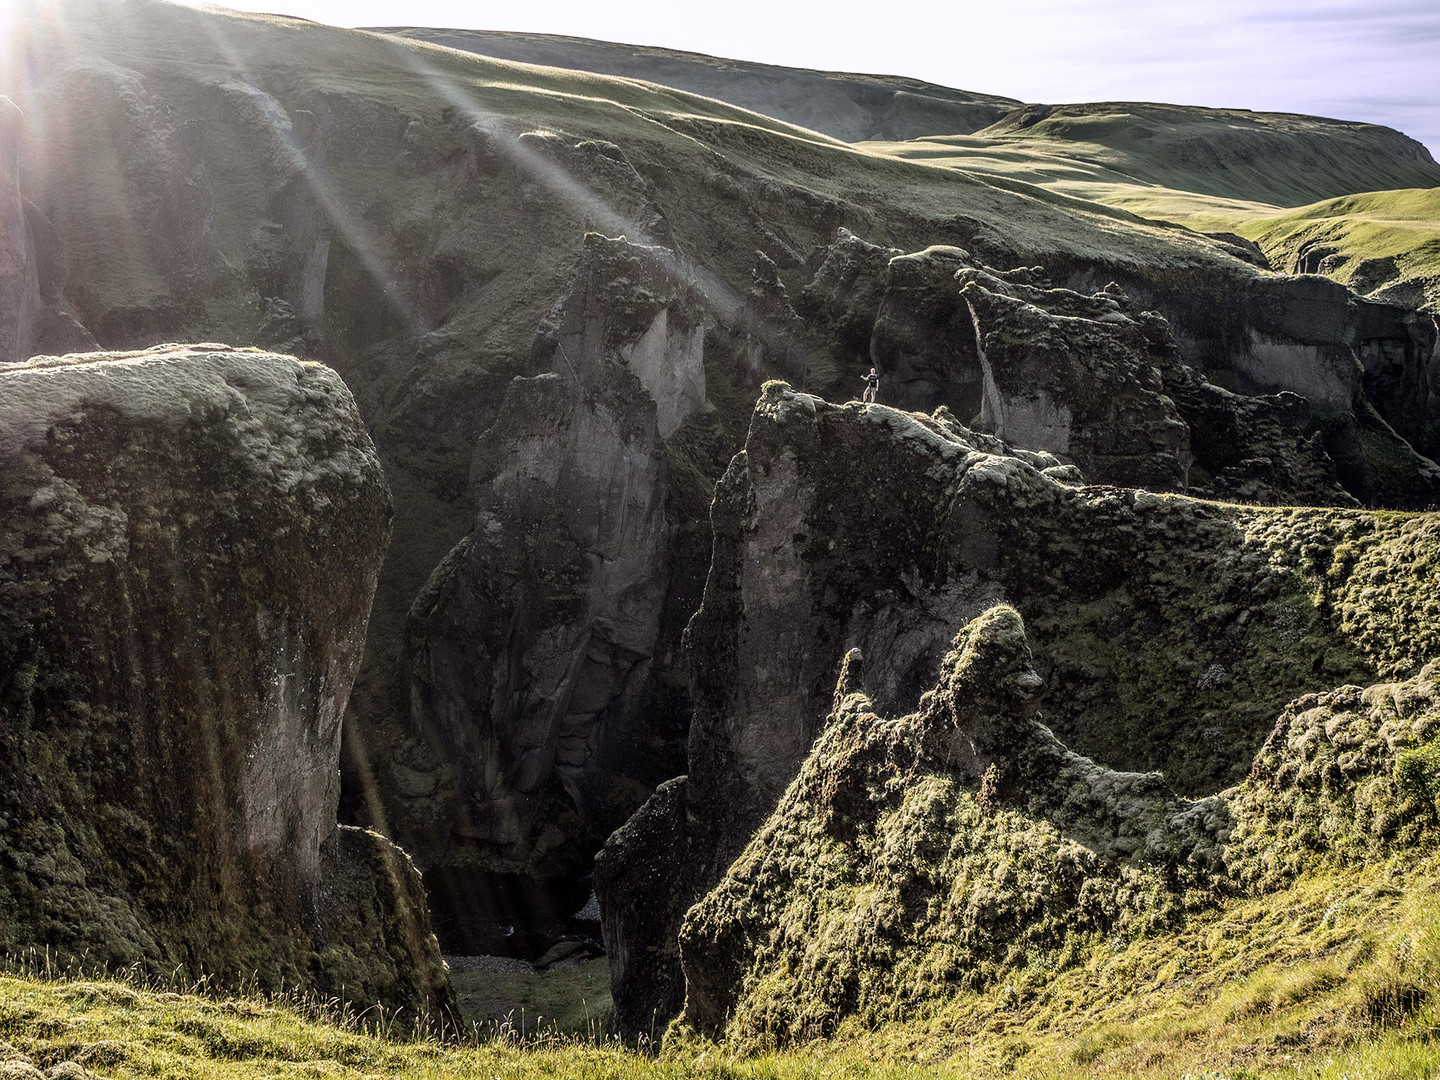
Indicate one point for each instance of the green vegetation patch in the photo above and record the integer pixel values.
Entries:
(961, 854)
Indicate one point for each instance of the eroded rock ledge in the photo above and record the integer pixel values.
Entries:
(916, 858)
(1167, 632)
(189, 542)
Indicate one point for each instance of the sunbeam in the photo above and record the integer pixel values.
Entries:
(598, 213)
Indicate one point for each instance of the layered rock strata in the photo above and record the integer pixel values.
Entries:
(190, 542)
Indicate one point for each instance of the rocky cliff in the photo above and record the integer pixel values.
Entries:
(920, 858)
(417, 218)
(1167, 632)
(1292, 402)
(191, 539)
(533, 643)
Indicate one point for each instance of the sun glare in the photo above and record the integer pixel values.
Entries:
(8, 10)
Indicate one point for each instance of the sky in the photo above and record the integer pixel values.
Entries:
(1371, 60)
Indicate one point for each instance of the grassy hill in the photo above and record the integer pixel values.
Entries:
(1312, 193)
(1382, 243)
(1212, 170)
(1279, 158)
(845, 106)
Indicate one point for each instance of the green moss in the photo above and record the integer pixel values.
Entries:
(959, 851)
(1417, 774)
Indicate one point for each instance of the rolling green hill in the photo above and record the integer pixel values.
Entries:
(1278, 158)
(845, 106)
(1384, 244)
(1312, 193)
(1212, 170)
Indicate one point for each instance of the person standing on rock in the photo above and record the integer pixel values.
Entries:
(872, 385)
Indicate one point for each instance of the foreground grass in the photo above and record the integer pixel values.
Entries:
(1336, 977)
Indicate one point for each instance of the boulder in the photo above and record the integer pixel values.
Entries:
(191, 539)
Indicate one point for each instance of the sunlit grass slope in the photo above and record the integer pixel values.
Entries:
(1277, 158)
(1384, 244)
(846, 106)
(1305, 189)
(1335, 976)
(1385, 241)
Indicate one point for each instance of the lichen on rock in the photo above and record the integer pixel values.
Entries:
(189, 541)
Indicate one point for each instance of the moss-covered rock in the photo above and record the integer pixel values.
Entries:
(1345, 774)
(918, 858)
(1077, 376)
(1168, 631)
(189, 543)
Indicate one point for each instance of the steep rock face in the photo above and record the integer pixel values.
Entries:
(1362, 367)
(533, 643)
(1168, 631)
(1400, 353)
(843, 297)
(916, 858)
(888, 531)
(640, 882)
(1101, 383)
(190, 545)
(1116, 391)
(772, 333)
(1080, 379)
(1305, 339)
(923, 337)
